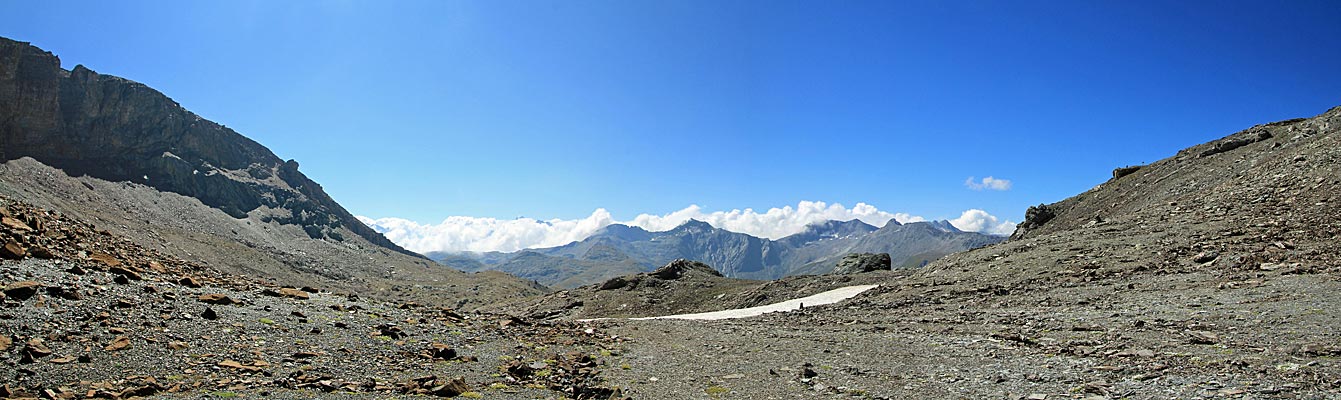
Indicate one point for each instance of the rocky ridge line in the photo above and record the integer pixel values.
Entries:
(115, 129)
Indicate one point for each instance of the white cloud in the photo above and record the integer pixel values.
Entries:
(774, 223)
(487, 234)
(976, 220)
(490, 234)
(989, 183)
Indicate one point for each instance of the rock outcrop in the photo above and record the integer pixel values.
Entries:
(681, 267)
(1034, 218)
(857, 263)
(107, 127)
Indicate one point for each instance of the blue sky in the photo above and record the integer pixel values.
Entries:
(550, 109)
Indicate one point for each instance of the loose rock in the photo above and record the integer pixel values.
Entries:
(1203, 337)
(120, 343)
(12, 250)
(217, 298)
(22, 290)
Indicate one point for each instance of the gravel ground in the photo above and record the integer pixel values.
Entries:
(255, 246)
(86, 313)
(1211, 274)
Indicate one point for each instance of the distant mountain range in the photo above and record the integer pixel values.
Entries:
(618, 250)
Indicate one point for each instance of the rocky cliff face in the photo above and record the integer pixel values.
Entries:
(114, 129)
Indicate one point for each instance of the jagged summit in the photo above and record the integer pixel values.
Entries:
(840, 226)
(694, 225)
(828, 230)
(622, 231)
(943, 225)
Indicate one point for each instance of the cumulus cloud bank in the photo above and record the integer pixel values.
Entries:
(988, 183)
(490, 234)
(487, 234)
(976, 220)
(775, 223)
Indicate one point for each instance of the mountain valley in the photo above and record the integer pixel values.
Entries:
(149, 253)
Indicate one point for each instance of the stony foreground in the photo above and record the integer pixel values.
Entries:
(1210, 274)
(85, 314)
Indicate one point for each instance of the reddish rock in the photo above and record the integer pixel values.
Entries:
(217, 298)
(126, 272)
(106, 259)
(451, 388)
(189, 282)
(12, 250)
(22, 290)
(156, 267)
(41, 252)
(286, 292)
(15, 224)
(120, 343)
(293, 293)
(237, 365)
(35, 349)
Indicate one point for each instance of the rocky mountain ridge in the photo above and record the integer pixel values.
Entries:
(121, 156)
(114, 129)
(618, 250)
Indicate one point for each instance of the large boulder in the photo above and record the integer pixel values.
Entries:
(614, 283)
(681, 267)
(1034, 218)
(857, 263)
